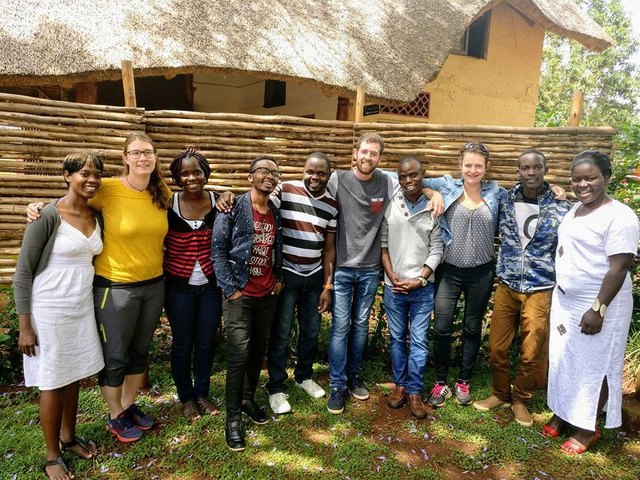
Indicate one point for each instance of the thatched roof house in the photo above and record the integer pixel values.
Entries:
(391, 47)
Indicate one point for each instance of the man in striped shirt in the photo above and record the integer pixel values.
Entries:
(309, 220)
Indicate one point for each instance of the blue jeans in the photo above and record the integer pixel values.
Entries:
(413, 311)
(194, 316)
(302, 294)
(354, 290)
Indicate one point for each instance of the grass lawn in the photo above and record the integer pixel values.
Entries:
(369, 441)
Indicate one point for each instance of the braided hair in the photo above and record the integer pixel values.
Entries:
(176, 164)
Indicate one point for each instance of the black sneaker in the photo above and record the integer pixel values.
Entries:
(357, 388)
(255, 412)
(233, 436)
(335, 404)
(137, 416)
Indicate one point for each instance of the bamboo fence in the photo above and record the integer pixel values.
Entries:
(36, 134)
(231, 141)
(439, 146)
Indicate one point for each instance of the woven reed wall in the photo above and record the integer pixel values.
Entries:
(439, 146)
(36, 134)
(231, 141)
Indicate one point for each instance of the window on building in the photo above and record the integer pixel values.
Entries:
(52, 92)
(418, 108)
(476, 38)
(275, 93)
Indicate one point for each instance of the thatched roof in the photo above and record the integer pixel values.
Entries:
(392, 47)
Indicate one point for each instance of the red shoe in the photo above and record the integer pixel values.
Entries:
(550, 432)
(573, 447)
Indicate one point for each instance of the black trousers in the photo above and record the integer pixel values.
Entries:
(476, 283)
(247, 321)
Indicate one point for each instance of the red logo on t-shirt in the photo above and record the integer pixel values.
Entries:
(377, 204)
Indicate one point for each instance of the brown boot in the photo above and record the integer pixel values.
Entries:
(416, 406)
(397, 398)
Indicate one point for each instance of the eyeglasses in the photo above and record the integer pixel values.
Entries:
(479, 146)
(265, 171)
(136, 154)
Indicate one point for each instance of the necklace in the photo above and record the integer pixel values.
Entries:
(126, 177)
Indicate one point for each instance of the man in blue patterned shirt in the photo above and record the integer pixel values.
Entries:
(528, 238)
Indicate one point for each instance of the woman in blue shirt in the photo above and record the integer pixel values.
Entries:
(469, 224)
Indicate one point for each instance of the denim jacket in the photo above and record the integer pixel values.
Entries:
(533, 268)
(232, 243)
(492, 193)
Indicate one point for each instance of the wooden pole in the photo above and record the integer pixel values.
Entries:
(577, 107)
(129, 88)
(128, 84)
(359, 103)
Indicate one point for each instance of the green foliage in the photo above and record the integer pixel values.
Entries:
(368, 441)
(10, 358)
(625, 181)
(625, 187)
(632, 354)
(609, 80)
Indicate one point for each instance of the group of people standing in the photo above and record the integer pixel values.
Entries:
(319, 244)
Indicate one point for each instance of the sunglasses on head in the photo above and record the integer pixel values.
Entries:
(475, 145)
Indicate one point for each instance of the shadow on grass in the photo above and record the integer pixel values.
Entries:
(368, 441)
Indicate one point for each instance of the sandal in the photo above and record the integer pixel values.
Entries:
(573, 447)
(87, 445)
(550, 432)
(58, 461)
(206, 407)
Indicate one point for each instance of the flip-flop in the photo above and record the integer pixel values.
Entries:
(576, 448)
(87, 445)
(57, 461)
(550, 432)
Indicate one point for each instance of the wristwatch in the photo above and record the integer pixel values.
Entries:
(599, 308)
(423, 281)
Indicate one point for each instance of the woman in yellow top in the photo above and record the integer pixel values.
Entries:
(129, 285)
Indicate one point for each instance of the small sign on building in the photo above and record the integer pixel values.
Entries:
(371, 110)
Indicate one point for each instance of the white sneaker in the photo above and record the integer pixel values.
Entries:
(312, 388)
(279, 403)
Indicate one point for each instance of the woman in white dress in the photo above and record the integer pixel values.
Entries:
(54, 300)
(591, 306)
